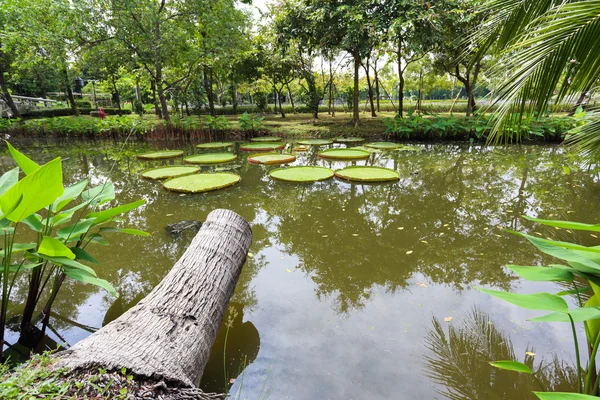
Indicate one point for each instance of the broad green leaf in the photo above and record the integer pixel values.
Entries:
(105, 215)
(19, 247)
(36, 191)
(82, 276)
(53, 247)
(578, 226)
(98, 239)
(65, 262)
(563, 396)
(20, 267)
(81, 254)
(510, 365)
(27, 165)
(99, 194)
(34, 221)
(128, 231)
(593, 327)
(578, 315)
(535, 301)
(70, 194)
(544, 274)
(8, 180)
(75, 230)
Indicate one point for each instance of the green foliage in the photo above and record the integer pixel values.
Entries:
(250, 122)
(217, 124)
(62, 112)
(260, 100)
(38, 201)
(581, 262)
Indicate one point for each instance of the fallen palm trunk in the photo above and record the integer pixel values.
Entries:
(169, 334)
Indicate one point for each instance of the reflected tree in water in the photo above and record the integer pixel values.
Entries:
(460, 355)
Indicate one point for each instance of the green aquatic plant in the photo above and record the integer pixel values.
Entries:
(160, 155)
(367, 174)
(214, 145)
(168, 172)
(271, 158)
(250, 122)
(302, 174)
(38, 203)
(199, 183)
(316, 142)
(345, 154)
(210, 158)
(578, 264)
(261, 146)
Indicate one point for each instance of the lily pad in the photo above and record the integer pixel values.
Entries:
(160, 155)
(199, 183)
(214, 145)
(302, 174)
(345, 154)
(369, 149)
(408, 148)
(261, 146)
(384, 145)
(367, 174)
(210, 158)
(271, 158)
(349, 140)
(266, 139)
(301, 148)
(168, 172)
(316, 142)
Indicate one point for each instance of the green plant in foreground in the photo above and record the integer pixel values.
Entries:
(38, 202)
(250, 122)
(581, 264)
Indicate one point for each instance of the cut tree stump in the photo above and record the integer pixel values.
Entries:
(168, 335)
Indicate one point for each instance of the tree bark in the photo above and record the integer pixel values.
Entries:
(157, 109)
(7, 97)
(117, 95)
(355, 105)
(370, 87)
(400, 80)
(376, 85)
(68, 90)
(169, 334)
(208, 90)
(279, 98)
(291, 98)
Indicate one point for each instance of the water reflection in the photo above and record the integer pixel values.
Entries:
(460, 356)
(334, 254)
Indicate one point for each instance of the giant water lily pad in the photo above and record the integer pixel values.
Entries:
(316, 142)
(367, 174)
(210, 158)
(349, 140)
(160, 155)
(266, 139)
(271, 158)
(199, 183)
(214, 145)
(302, 174)
(261, 146)
(301, 148)
(384, 145)
(344, 154)
(168, 172)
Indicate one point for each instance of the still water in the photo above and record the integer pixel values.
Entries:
(354, 291)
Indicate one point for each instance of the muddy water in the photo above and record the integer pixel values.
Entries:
(353, 291)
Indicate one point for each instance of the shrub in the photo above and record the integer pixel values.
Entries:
(250, 122)
(83, 104)
(63, 112)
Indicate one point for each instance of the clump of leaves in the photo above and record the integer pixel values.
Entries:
(250, 122)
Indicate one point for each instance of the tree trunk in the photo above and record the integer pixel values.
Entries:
(208, 90)
(420, 99)
(158, 68)
(157, 109)
(67, 84)
(7, 97)
(169, 334)
(400, 80)
(355, 104)
(370, 87)
(117, 95)
(331, 105)
(376, 86)
(279, 98)
(291, 98)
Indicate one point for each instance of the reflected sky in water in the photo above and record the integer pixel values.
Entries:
(348, 281)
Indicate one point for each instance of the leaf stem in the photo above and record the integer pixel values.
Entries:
(579, 381)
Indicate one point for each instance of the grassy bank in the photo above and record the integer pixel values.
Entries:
(442, 126)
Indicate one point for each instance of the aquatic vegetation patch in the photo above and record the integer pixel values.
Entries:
(261, 146)
(199, 183)
(168, 172)
(345, 154)
(267, 139)
(210, 158)
(160, 155)
(302, 174)
(384, 145)
(316, 142)
(271, 158)
(367, 174)
(214, 145)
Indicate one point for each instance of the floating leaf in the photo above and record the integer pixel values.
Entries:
(271, 158)
(529, 353)
(288, 270)
(409, 252)
(367, 174)
(448, 319)
(161, 155)
(210, 158)
(422, 284)
(349, 140)
(169, 172)
(344, 154)
(512, 366)
(302, 174)
(199, 183)
(315, 142)
(261, 146)
(214, 145)
(266, 139)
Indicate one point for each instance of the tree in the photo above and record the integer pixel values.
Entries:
(550, 51)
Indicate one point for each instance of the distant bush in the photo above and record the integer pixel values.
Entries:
(83, 104)
(63, 112)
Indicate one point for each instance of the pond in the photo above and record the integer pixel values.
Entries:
(353, 291)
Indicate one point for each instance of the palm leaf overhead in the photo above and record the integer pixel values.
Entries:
(549, 53)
